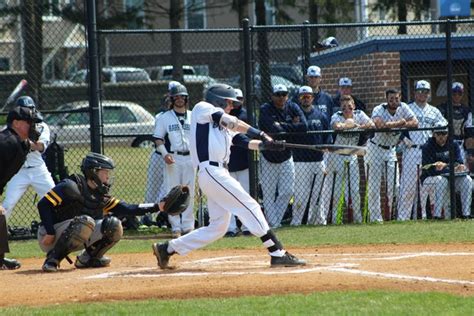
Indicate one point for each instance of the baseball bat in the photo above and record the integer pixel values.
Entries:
(418, 196)
(19, 87)
(345, 150)
(342, 198)
(319, 193)
(365, 215)
(200, 210)
(350, 209)
(386, 209)
(331, 202)
(304, 221)
(394, 197)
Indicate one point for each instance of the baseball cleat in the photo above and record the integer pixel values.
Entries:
(161, 253)
(50, 265)
(288, 260)
(9, 264)
(92, 262)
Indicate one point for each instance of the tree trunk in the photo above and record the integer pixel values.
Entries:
(263, 53)
(402, 16)
(176, 42)
(313, 19)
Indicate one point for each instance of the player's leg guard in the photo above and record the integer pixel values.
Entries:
(72, 239)
(279, 257)
(93, 255)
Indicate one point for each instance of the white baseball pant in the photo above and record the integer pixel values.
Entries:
(242, 176)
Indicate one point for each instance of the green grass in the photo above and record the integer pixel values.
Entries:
(309, 236)
(326, 303)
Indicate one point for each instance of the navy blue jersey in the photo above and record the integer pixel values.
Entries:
(323, 101)
(432, 152)
(317, 121)
(462, 117)
(286, 120)
(239, 158)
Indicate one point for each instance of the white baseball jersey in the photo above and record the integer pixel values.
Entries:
(359, 117)
(381, 111)
(169, 124)
(427, 116)
(208, 143)
(34, 159)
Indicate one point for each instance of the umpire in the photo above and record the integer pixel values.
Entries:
(14, 146)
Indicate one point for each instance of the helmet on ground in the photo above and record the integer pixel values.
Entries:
(94, 162)
(179, 90)
(26, 101)
(218, 94)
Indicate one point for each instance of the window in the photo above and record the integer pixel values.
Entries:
(136, 8)
(114, 115)
(78, 118)
(195, 14)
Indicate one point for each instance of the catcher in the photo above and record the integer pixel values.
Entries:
(78, 213)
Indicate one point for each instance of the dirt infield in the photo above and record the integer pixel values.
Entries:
(204, 273)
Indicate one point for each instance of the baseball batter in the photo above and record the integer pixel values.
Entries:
(346, 119)
(427, 116)
(213, 130)
(34, 171)
(175, 123)
(381, 156)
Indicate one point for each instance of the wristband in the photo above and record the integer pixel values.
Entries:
(162, 149)
(254, 132)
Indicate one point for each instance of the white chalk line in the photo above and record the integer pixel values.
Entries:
(338, 267)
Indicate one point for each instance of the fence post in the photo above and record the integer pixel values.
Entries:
(250, 103)
(306, 53)
(449, 82)
(93, 61)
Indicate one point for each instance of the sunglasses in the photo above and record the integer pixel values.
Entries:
(280, 94)
(441, 133)
(423, 91)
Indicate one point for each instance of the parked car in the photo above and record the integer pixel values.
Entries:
(163, 72)
(114, 75)
(132, 122)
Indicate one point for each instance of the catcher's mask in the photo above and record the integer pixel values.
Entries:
(91, 164)
(218, 94)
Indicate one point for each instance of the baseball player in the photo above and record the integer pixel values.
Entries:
(322, 99)
(345, 88)
(175, 124)
(462, 115)
(213, 130)
(309, 165)
(435, 175)
(14, 147)
(77, 214)
(239, 164)
(427, 116)
(34, 171)
(381, 156)
(277, 169)
(346, 119)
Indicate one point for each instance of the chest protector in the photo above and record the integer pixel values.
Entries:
(84, 200)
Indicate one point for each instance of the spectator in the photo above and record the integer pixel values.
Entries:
(346, 166)
(322, 100)
(34, 171)
(309, 164)
(427, 116)
(277, 169)
(381, 158)
(462, 115)
(435, 175)
(239, 164)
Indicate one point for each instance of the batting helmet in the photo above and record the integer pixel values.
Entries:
(218, 94)
(93, 162)
(26, 101)
(178, 90)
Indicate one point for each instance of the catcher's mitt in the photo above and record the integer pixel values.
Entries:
(177, 200)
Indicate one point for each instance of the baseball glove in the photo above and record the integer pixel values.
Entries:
(177, 200)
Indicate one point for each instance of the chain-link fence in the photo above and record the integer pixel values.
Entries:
(394, 180)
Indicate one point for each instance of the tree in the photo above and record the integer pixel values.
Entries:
(399, 10)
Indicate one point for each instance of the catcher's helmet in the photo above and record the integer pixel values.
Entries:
(178, 90)
(93, 162)
(218, 94)
(25, 101)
